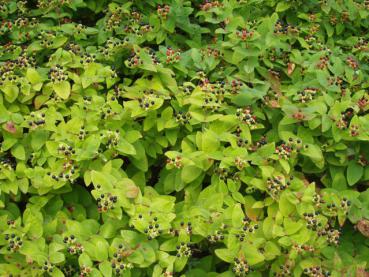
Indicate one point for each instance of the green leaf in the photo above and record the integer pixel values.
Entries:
(285, 206)
(124, 147)
(354, 172)
(224, 254)
(101, 248)
(315, 154)
(237, 215)
(291, 226)
(252, 255)
(33, 76)
(210, 142)
(105, 269)
(282, 6)
(62, 89)
(11, 92)
(189, 173)
(56, 257)
(19, 152)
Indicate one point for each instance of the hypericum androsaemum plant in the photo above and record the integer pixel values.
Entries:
(184, 138)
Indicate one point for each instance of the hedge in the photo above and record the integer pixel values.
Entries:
(184, 138)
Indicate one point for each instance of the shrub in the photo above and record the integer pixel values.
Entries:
(162, 138)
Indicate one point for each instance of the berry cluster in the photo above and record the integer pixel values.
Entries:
(7, 163)
(208, 5)
(46, 38)
(240, 141)
(345, 119)
(307, 94)
(47, 267)
(57, 74)
(107, 113)
(172, 56)
(303, 248)
(246, 228)
(14, 242)
(281, 28)
(73, 246)
(245, 34)
(245, 115)
(134, 60)
(87, 58)
(332, 235)
(276, 185)
(218, 236)
(285, 270)
(10, 223)
(82, 133)
(316, 271)
(187, 227)
(211, 103)
(332, 209)
(363, 103)
(163, 11)
(25, 60)
(351, 62)
(73, 48)
(240, 267)
(8, 75)
(118, 264)
(36, 120)
(312, 221)
(61, 176)
(183, 118)
(236, 86)
(115, 19)
(187, 90)
(153, 229)
(354, 130)
(106, 202)
(223, 173)
(113, 137)
(177, 162)
(79, 29)
(210, 52)
(284, 151)
(154, 58)
(66, 150)
(362, 45)
(86, 102)
(68, 171)
(323, 62)
(318, 200)
(362, 161)
(112, 47)
(118, 92)
(84, 271)
(184, 250)
(298, 115)
(240, 163)
(146, 102)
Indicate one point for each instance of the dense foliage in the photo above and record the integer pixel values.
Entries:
(184, 138)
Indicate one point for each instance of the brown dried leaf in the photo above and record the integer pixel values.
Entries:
(363, 227)
(10, 127)
(275, 83)
(360, 272)
(290, 68)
